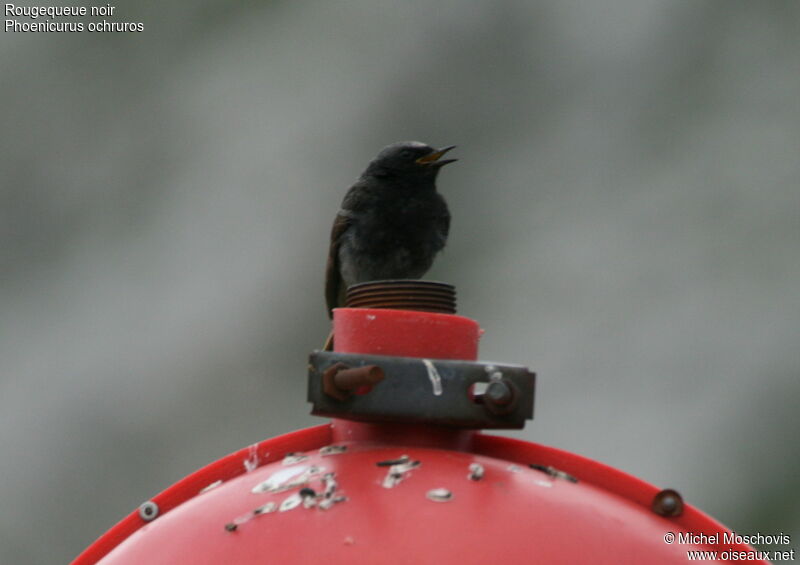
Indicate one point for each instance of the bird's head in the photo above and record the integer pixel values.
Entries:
(411, 160)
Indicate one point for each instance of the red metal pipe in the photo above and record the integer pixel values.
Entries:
(404, 333)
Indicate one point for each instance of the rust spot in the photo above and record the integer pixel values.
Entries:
(340, 381)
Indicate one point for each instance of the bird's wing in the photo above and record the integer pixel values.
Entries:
(443, 222)
(334, 285)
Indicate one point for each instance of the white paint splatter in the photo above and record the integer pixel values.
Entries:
(288, 478)
(494, 374)
(329, 480)
(294, 458)
(267, 508)
(434, 376)
(291, 502)
(328, 502)
(251, 463)
(398, 472)
(242, 519)
(211, 486)
(475, 472)
(332, 450)
(439, 495)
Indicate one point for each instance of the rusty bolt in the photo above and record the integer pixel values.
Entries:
(340, 381)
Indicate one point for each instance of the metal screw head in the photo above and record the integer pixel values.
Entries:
(500, 397)
(668, 503)
(148, 511)
(498, 392)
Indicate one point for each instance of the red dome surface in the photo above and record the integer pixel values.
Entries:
(512, 514)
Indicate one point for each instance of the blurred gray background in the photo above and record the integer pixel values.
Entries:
(626, 222)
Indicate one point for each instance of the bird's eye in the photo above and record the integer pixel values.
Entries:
(406, 152)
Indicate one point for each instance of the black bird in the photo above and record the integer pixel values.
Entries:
(392, 222)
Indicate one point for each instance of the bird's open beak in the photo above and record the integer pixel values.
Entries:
(433, 158)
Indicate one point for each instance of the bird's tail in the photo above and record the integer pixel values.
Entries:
(328, 343)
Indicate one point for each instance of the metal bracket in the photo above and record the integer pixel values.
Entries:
(460, 394)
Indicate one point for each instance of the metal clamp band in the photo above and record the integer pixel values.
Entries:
(460, 394)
